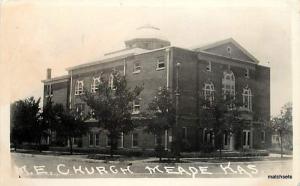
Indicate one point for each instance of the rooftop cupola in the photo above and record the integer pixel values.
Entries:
(147, 37)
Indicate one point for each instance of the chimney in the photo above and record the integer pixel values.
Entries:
(48, 73)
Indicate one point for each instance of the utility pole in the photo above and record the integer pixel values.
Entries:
(177, 94)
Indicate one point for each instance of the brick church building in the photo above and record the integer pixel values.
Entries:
(150, 60)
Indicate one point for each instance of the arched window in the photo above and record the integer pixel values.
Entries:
(247, 98)
(228, 84)
(95, 84)
(209, 92)
(79, 88)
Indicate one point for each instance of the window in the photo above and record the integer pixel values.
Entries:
(228, 85)
(207, 136)
(121, 142)
(229, 50)
(160, 64)
(49, 90)
(135, 137)
(247, 98)
(97, 139)
(79, 88)
(146, 45)
(136, 106)
(108, 140)
(226, 136)
(95, 84)
(137, 67)
(92, 113)
(112, 82)
(246, 138)
(247, 75)
(208, 91)
(157, 140)
(184, 132)
(208, 67)
(91, 139)
(263, 136)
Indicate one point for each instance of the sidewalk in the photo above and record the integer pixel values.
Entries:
(149, 160)
(275, 155)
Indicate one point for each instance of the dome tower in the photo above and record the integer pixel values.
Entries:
(147, 37)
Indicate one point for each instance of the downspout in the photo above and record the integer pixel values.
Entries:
(168, 86)
(168, 67)
(70, 94)
(124, 66)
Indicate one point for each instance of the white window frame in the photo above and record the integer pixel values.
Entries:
(79, 87)
(247, 142)
(209, 92)
(135, 106)
(228, 80)
(208, 66)
(95, 84)
(247, 99)
(208, 135)
(137, 69)
(160, 61)
(137, 140)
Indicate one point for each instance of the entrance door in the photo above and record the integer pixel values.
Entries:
(246, 139)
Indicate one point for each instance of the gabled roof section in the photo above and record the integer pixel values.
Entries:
(221, 48)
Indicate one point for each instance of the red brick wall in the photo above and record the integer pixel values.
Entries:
(60, 93)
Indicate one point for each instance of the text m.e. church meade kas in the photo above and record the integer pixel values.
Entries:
(148, 59)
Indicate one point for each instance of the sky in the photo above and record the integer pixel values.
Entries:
(59, 34)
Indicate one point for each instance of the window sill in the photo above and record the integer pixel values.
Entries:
(135, 113)
(160, 68)
(78, 94)
(136, 72)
